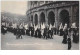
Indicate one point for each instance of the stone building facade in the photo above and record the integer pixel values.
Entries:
(53, 12)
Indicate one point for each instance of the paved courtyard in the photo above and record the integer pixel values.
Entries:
(9, 42)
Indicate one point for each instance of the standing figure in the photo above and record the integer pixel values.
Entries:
(32, 33)
(31, 29)
(54, 28)
(42, 29)
(65, 34)
(61, 29)
(46, 31)
(26, 28)
(36, 33)
(69, 43)
(3, 28)
(69, 38)
(15, 28)
(75, 32)
(20, 31)
(50, 31)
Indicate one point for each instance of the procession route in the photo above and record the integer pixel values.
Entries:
(9, 42)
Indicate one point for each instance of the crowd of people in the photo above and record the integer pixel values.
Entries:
(44, 31)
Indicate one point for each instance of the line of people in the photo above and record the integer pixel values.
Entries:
(43, 31)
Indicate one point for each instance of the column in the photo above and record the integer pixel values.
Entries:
(71, 15)
(46, 17)
(33, 18)
(38, 18)
(56, 18)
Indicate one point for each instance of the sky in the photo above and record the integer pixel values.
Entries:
(16, 7)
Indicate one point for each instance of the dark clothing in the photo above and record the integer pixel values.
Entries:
(32, 31)
(75, 35)
(61, 32)
(3, 29)
(65, 37)
(15, 31)
(38, 33)
(46, 33)
(19, 33)
(50, 33)
(54, 30)
(69, 43)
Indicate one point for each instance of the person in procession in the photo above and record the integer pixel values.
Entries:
(65, 30)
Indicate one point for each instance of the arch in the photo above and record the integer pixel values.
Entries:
(51, 18)
(64, 17)
(36, 19)
(42, 18)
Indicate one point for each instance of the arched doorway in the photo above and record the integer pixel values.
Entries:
(64, 17)
(42, 18)
(36, 19)
(51, 18)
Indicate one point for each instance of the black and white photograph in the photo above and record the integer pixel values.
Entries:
(40, 25)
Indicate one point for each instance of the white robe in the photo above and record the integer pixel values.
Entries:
(50, 27)
(26, 26)
(61, 26)
(73, 25)
(42, 28)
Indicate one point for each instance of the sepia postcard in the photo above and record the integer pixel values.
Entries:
(40, 25)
